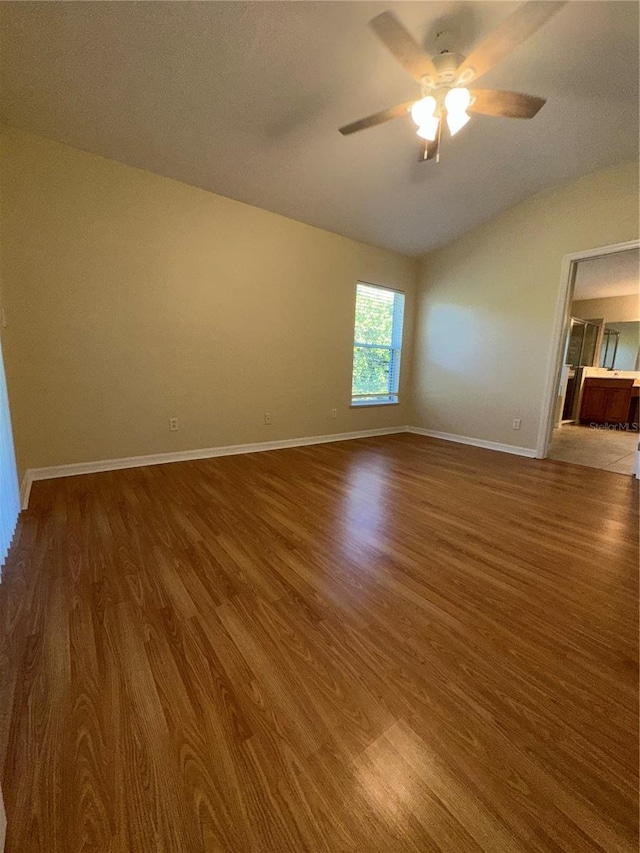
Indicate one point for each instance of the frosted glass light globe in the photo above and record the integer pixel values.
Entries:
(457, 100)
(429, 129)
(456, 121)
(422, 111)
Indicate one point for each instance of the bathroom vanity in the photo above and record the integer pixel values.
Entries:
(610, 400)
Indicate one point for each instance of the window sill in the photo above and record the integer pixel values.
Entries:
(370, 403)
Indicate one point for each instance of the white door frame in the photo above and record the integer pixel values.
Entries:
(560, 331)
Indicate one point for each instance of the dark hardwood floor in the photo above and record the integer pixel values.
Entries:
(382, 645)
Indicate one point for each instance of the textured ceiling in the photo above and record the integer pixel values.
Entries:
(610, 275)
(245, 99)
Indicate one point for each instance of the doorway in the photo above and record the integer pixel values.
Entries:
(593, 419)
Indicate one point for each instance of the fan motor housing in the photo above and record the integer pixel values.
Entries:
(447, 65)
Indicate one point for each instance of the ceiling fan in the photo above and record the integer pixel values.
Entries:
(444, 78)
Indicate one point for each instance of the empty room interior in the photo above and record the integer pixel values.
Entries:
(319, 449)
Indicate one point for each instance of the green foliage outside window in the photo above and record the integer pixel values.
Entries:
(374, 318)
(370, 371)
(373, 353)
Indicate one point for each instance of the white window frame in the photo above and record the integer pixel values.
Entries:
(392, 397)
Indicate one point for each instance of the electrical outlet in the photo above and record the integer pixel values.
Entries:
(516, 423)
(173, 424)
(267, 418)
(334, 413)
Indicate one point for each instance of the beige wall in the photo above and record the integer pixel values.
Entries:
(611, 309)
(486, 306)
(131, 298)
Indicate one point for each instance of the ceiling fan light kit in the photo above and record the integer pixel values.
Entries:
(451, 103)
(443, 79)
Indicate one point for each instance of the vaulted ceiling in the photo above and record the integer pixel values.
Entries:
(244, 99)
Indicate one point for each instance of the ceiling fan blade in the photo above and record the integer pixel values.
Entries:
(377, 118)
(510, 34)
(428, 150)
(402, 45)
(493, 102)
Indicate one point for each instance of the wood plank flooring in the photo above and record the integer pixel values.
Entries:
(374, 646)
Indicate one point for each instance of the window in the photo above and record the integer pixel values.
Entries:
(377, 345)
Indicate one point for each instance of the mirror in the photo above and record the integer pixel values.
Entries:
(620, 349)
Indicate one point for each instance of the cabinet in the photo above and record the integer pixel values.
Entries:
(606, 401)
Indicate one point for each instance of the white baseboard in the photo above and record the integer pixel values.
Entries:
(475, 442)
(33, 474)
(76, 468)
(25, 490)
